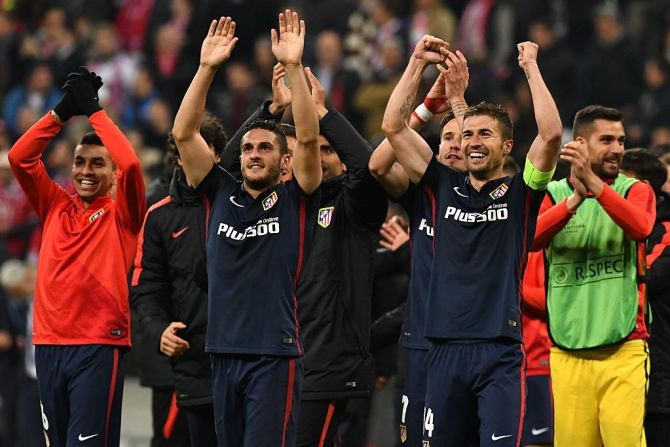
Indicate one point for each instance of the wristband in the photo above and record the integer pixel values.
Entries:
(422, 113)
(432, 104)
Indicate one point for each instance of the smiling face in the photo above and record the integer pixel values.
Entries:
(261, 159)
(606, 146)
(450, 147)
(92, 172)
(483, 147)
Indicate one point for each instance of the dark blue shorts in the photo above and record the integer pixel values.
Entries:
(256, 399)
(81, 388)
(471, 385)
(538, 425)
(413, 398)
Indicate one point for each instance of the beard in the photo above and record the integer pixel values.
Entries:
(607, 174)
(261, 182)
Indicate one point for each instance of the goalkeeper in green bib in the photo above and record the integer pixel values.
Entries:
(592, 228)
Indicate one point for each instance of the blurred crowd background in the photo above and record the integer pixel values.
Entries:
(614, 53)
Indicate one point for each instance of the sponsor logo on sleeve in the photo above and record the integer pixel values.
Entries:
(325, 216)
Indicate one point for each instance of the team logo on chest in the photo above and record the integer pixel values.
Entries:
(97, 214)
(270, 200)
(325, 216)
(499, 191)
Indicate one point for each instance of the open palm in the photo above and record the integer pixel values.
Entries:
(219, 43)
(287, 45)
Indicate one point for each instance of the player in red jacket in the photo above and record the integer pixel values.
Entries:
(81, 317)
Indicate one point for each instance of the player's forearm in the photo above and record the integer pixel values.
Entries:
(116, 143)
(550, 222)
(383, 157)
(304, 109)
(29, 148)
(400, 104)
(306, 156)
(547, 118)
(189, 116)
(635, 214)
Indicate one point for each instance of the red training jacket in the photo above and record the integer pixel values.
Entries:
(535, 335)
(85, 255)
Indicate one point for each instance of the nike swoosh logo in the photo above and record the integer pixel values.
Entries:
(232, 199)
(176, 234)
(84, 438)
(538, 431)
(457, 189)
(497, 438)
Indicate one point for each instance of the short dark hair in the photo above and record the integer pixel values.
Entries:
(92, 139)
(495, 111)
(646, 166)
(446, 118)
(585, 117)
(212, 132)
(273, 127)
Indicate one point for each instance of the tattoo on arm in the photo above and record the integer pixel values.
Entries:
(406, 107)
(459, 108)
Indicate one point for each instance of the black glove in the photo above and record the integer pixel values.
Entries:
(84, 91)
(66, 107)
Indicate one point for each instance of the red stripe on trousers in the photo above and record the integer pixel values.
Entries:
(112, 389)
(168, 428)
(523, 396)
(326, 424)
(289, 399)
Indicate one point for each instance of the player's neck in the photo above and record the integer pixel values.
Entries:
(479, 182)
(255, 192)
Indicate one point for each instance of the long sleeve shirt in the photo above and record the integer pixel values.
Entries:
(86, 252)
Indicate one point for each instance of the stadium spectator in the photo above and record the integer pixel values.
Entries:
(33, 99)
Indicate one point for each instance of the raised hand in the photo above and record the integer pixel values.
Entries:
(219, 43)
(456, 76)
(431, 50)
(288, 43)
(318, 93)
(576, 153)
(527, 54)
(436, 100)
(281, 94)
(577, 185)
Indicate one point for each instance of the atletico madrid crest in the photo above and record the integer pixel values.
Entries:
(270, 200)
(499, 191)
(325, 216)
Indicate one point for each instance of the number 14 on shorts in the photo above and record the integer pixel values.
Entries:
(428, 425)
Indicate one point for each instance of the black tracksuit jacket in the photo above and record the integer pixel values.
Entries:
(169, 283)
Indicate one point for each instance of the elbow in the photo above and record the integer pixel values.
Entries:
(391, 126)
(553, 135)
(376, 169)
(13, 158)
(181, 134)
